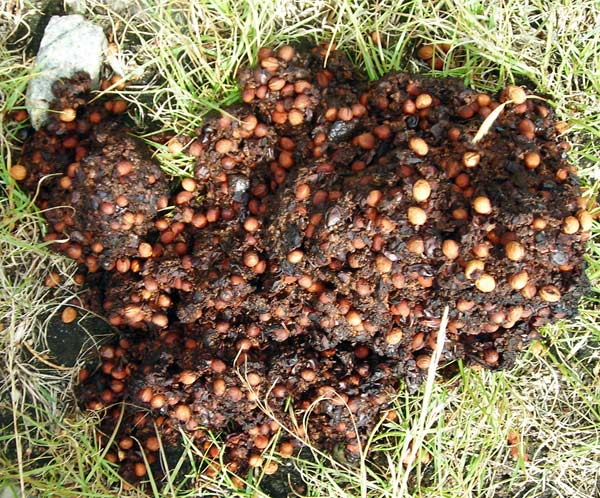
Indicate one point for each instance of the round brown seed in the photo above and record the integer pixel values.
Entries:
(145, 250)
(139, 469)
(68, 315)
(18, 172)
(423, 361)
(532, 160)
(183, 413)
(152, 443)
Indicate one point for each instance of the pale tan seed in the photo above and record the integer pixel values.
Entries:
(418, 146)
(570, 225)
(514, 251)
(394, 337)
(450, 249)
(518, 281)
(417, 216)
(471, 159)
(482, 205)
(485, 283)
(421, 190)
(585, 220)
(550, 294)
(473, 266)
(516, 94)
(67, 115)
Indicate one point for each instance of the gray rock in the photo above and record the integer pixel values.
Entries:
(70, 44)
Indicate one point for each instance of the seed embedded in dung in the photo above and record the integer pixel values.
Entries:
(383, 264)
(423, 361)
(366, 141)
(415, 245)
(158, 401)
(183, 413)
(585, 219)
(145, 250)
(518, 281)
(394, 337)
(421, 190)
(308, 375)
(549, 293)
(514, 251)
(485, 283)
(295, 256)
(423, 101)
(152, 443)
(251, 259)
(473, 266)
(219, 387)
(491, 356)
(188, 184)
(417, 216)
(68, 315)
(224, 146)
(516, 94)
(187, 377)
(67, 115)
(353, 318)
(139, 469)
(426, 52)
(286, 53)
(539, 224)
(18, 172)
(482, 205)
(450, 249)
(418, 146)
(126, 443)
(471, 159)
(532, 160)
(286, 449)
(374, 198)
(570, 225)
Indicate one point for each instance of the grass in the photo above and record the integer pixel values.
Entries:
(532, 431)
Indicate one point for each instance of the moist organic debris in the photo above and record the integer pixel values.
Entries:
(304, 268)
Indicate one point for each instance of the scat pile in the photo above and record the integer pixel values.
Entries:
(307, 262)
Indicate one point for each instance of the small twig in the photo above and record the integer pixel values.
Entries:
(419, 427)
(493, 116)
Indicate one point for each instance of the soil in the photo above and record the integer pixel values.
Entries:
(306, 266)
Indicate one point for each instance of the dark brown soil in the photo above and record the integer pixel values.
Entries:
(306, 266)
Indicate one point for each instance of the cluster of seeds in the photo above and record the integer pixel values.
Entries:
(306, 264)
